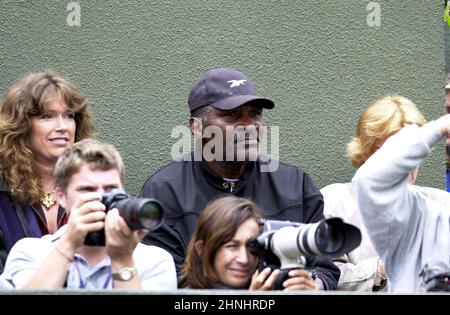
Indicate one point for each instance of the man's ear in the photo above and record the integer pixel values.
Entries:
(196, 126)
(61, 197)
(199, 247)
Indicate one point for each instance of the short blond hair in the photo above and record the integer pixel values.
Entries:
(379, 120)
(89, 152)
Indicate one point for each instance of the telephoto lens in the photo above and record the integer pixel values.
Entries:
(293, 245)
(140, 213)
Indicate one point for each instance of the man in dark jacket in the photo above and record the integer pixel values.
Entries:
(225, 102)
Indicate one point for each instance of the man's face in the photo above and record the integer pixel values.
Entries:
(239, 128)
(89, 180)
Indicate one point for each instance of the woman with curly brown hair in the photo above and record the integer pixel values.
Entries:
(40, 116)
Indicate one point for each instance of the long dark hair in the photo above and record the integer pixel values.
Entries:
(216, 226)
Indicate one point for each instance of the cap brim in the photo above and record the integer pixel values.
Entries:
(239, 100)
(447, 86)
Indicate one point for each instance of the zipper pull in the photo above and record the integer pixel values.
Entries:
(231, 187)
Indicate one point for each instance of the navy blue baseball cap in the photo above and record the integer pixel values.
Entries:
(225, 89)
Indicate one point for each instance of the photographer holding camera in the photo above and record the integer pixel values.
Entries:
(219, 255)
(86, 176)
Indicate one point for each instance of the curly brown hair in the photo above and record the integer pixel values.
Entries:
(27, 98)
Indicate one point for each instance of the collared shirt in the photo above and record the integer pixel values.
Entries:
(83, 276)
(155, 266)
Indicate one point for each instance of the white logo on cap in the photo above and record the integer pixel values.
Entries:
(236, 82)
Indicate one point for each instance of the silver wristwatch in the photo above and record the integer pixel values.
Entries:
(125, 274)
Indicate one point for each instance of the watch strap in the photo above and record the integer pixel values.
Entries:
(125, 274)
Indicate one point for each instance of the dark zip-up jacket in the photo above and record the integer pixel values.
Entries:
(18, 221)
(186, 187)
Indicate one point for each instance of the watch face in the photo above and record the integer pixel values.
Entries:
(126, 274)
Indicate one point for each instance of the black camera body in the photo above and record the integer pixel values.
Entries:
(292, 245)
(436, 277)
(138, 213)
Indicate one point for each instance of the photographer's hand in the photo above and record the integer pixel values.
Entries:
(120, 239)
(121, 242)
(299, 279)
(86, 215)
(264, 280)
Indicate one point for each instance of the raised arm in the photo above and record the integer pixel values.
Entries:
(381, 185)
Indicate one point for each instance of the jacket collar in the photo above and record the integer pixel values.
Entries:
(220, 183)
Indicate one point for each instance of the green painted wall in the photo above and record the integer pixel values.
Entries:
(318, 59)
